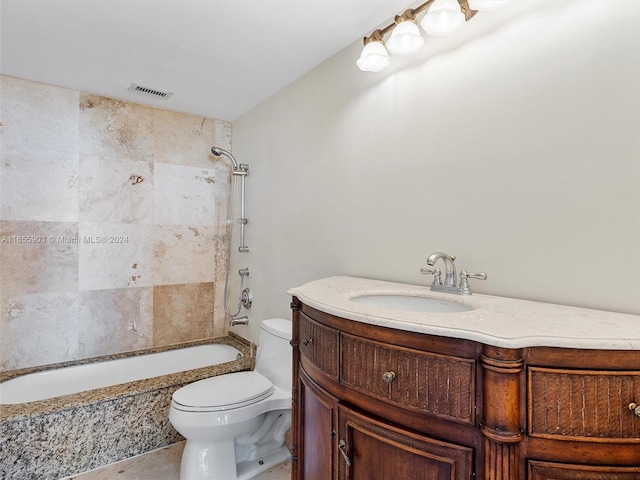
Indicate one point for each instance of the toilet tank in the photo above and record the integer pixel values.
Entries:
(273, 359)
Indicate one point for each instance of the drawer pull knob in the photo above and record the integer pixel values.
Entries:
(307, 341)
(388, 376)
(635, 408)
(342, 446)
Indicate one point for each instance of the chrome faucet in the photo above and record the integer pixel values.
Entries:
(450, 277)
(449, 285)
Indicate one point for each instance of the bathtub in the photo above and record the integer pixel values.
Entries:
(90, 376)
(69, 418)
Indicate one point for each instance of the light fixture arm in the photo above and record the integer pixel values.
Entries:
(407, 15)
(468, 13)
(376, 36)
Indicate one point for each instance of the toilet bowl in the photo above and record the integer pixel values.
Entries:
(235, 423)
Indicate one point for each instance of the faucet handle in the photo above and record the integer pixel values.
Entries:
(435, 272)
(479, 276)
(465, 276)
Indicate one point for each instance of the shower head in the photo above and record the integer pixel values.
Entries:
(221, 151)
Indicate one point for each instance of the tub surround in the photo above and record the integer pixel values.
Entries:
(112, 225)
(74, 433)
(497, 321)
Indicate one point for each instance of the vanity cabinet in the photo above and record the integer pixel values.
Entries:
(375, 403)
(364, 406)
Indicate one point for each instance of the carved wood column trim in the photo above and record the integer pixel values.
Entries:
(501, 374)
(295, 413)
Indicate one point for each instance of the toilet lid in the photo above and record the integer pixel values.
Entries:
(224, 392)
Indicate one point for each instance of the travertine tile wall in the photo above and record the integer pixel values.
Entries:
(112, 225)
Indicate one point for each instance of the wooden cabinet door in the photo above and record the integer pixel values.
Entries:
(372, 450)
(315, 431)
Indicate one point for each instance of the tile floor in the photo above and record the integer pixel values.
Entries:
(163, 464)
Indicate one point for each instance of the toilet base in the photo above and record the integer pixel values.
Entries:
(249, 469)
(208, 461)
(207, 456)
(222, 455)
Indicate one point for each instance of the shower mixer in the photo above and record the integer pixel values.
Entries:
(246, 299)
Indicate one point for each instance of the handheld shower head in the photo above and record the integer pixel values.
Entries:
(217, 151)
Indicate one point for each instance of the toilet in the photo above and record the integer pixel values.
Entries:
(235, 423)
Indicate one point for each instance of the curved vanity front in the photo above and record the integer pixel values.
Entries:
(503, 390)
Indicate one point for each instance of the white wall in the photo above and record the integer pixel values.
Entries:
(514, 145)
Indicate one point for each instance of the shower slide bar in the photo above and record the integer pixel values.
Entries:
(241, 170)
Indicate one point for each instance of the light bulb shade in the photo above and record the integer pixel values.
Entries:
(405, 39)
(488, 5)
(373, 58)
(443, 17)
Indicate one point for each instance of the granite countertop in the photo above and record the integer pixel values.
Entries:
(498, 321)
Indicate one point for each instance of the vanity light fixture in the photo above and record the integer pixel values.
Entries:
(442, 17)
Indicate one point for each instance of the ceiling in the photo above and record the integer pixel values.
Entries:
(220, 58)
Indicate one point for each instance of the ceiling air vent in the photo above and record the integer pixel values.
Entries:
(149, 91)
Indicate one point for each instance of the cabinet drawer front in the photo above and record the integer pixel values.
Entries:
(583, 404)
(441, 385)
(559, 471)
(319, 344)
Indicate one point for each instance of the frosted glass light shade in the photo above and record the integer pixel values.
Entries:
(443, 17)
(488, 5)
(405, 39)
(374, 57)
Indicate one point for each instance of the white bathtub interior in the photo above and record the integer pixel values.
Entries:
(78, 378)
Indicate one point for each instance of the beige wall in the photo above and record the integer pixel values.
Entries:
(514, 145)
(77, 168)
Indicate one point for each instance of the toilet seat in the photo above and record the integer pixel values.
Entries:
(224, 392)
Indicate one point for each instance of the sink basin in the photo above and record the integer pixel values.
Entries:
(411, 304)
